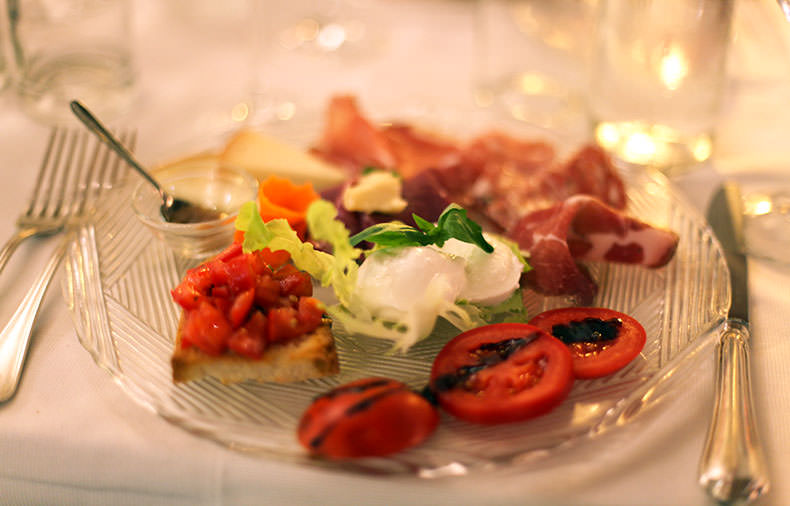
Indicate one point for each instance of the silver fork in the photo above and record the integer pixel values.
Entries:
(45, 213)
(81, 181)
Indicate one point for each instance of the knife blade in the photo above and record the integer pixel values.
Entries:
(725, 216)
(732, 466)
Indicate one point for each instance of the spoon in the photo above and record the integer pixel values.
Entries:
(173, 209)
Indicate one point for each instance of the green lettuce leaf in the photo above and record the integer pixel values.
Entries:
(278, 235)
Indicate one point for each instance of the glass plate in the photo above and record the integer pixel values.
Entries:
(118, 288)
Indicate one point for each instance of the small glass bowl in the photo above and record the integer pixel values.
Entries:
(203, 182)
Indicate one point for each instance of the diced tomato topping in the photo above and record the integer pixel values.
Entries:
(275, 259)
(207, 328)
(297, 283)
(231, 251)
(267, 291)
(240, 308)
(241, 277)
(243, 301)
(256, 324)
(283, 324)
(186, 296)
(222, 291)
(217, 274)
(223, 304)
(259, 264)
(287, 323)
(285, 271)
(199, 278)
(311, 312)
(246, 343)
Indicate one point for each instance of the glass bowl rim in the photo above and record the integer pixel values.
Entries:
(162, 225)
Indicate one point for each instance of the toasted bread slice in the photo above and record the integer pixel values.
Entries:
(310, 356)
(263, 156)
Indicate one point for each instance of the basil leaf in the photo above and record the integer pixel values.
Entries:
(424, 225)
(390, 234)
(455, 223)
(389, 238)
(452, 223)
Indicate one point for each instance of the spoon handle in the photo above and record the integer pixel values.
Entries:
(95, 126)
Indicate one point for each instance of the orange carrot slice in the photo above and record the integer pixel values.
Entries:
(280, 198)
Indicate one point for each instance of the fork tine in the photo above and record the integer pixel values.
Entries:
(88, 186)
(98, 181)
(98, 176)
(106, 169)
(81, 178)
(45, 181)
(75, 171)
(65, 191)
(111, 176)
(82, 181)
(46, 167)
(54, 203)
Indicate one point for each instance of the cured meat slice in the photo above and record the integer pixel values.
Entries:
(416, 151)
(506, 178)
(500, 177)
(544, 234)
(591, 172)
(584, 228)
(352, 141)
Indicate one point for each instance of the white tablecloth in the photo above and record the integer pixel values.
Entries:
(71, 435)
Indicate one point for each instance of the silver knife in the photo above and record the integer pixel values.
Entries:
(732, 467)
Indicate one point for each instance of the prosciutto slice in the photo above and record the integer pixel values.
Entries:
(352, 141)
(584, 228)
(516, 177)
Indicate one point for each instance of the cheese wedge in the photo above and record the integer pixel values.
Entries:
(263, 156)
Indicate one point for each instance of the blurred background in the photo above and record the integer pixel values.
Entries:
(514, 62)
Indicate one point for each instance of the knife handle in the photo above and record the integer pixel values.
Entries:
(732, 467)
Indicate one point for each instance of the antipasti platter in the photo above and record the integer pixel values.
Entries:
(118, 286)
